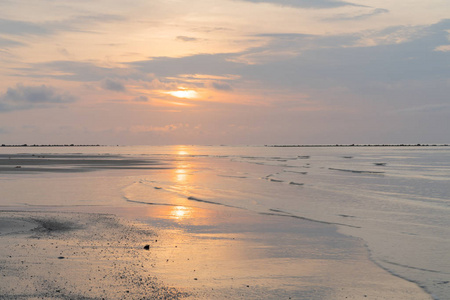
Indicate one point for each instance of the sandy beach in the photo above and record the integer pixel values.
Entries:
(76, 256)
(72, 255)
(172, 251)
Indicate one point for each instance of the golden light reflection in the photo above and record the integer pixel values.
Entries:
(181, 212)
(183, 168)
(181, 175)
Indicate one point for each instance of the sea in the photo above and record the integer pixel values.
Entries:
(396, 199)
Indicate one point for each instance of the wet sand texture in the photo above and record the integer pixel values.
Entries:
(76, 256)
(73, 163)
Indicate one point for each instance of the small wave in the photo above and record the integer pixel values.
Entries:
(414, 268)
(209, 202)
(297, 172)
(346, 216)
(303, 157)
(277, 212)
(232, 176)
(296, 183)
(149, 203)
(356, 171)
(274, 180)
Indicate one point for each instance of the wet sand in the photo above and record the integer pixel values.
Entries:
(76, 256)
(222, 254)
(60, 163)
(195, 251)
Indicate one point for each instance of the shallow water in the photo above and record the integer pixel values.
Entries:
(396, 199)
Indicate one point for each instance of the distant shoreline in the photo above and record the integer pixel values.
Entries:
(274, 146)
(49, 145)
(364, 145)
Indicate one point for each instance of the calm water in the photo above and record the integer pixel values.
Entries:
(396, 199)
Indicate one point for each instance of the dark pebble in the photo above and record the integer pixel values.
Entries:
(147, 247)
(61, 257)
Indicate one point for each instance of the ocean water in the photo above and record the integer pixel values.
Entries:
(397, 199)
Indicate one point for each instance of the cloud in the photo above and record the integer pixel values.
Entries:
(83, 23)
(307, 3)
(298, 64)
(187, 38)
(13, 27)
(222, 86)
(113, 85)
(81, 71)
(360, 16)
(76, 24)
(166, 128)
(212, 64)
(27, 97)
(9, 43)
(443, 48)
(431, 108)
(141, 99)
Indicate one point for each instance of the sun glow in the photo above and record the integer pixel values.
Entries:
(185, 94)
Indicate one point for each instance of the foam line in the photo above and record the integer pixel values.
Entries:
(285, 214)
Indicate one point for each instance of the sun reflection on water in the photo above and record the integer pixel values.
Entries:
(182, 168)
(181, 175)
(181, 212)
(182, 152)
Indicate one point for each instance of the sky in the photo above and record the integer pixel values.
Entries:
(151, 72)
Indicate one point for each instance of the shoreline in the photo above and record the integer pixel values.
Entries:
(266, 145)
(357, 145)
(104, 246)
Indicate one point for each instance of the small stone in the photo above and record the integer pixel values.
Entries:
(61, 257)
(196, 278)
(147, 247)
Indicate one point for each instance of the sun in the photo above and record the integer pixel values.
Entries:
(185, 94)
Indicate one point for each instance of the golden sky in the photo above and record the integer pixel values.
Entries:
(224, 72)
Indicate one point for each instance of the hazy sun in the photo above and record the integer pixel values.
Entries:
(187, 94)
